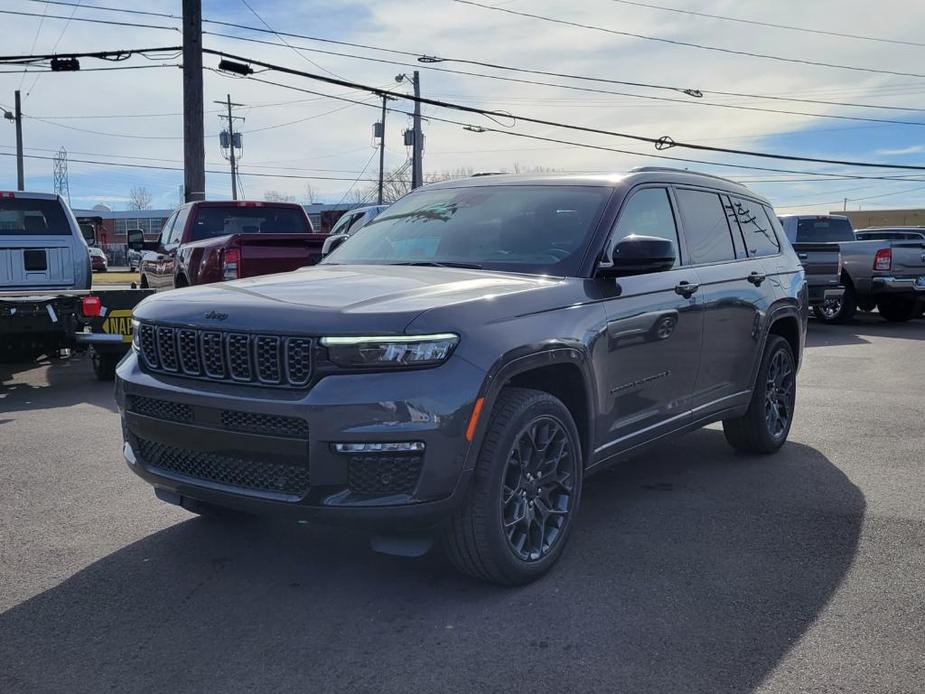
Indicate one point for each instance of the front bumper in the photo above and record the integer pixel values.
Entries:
(270, 451)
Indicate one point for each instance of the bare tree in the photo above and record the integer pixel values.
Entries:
(139, 198)
(277, 196)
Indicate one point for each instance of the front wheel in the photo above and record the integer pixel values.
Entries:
(524, 497)
(765, 425)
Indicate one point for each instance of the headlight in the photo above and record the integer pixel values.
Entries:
(390, 350)
(136, 339)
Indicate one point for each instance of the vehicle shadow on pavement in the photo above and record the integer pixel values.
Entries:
(858, 331)
(693, 569)
(50, 383)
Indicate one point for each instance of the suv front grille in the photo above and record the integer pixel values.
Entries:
(226, 356)
(383, 474)
(291, 480)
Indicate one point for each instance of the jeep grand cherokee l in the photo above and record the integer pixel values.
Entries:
(458, 367)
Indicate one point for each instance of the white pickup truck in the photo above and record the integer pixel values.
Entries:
(885, 274)
(46, 301)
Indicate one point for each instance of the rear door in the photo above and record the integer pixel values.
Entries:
(734, 290)
(654, 332)
(38, 247)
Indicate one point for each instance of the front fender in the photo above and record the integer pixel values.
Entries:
(527, 358)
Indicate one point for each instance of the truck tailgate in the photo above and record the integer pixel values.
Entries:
(263, 254)
(908, 258)
(819, 260)
(42, 262)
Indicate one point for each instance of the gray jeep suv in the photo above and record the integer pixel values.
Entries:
(458, 367)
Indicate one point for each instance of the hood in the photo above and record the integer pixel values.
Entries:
(340, 299)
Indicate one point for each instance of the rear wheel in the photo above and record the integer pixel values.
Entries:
(524, 496)
(897, 309)
(840, 310)
(765, 425)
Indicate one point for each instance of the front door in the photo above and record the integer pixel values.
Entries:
(654, 332)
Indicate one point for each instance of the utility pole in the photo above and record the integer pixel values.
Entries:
(382, 148)
(232, 142)
(845, 206)
(194, 147)
(16, 118)
(417, 157)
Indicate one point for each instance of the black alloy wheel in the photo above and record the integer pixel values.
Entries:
(538, 490)
(779, 394)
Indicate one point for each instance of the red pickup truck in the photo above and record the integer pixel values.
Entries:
(205, 242)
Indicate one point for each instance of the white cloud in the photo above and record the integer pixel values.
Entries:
(901, 151)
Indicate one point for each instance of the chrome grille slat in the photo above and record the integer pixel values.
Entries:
(234, 357)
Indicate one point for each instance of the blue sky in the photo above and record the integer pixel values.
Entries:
(133, 114)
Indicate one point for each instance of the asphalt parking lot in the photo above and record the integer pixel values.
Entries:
(693, 569)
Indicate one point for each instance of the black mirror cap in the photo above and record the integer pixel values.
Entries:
(136, 239)
(640, 255)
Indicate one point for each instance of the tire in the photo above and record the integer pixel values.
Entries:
(897, 309)
(756, 431)
(104, 365)
(475, 538)
(144, 282)
(840, 311)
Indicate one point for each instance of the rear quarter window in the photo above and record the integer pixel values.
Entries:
(31, 217)
(759, 227)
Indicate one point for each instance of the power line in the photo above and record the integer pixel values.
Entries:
(571, 143)
(275, 33)
(788, 27)
(90, 21)
(663, 142)
(429, 59)
(688, 44)
(868, 197)
(180, 168)
(593, 90)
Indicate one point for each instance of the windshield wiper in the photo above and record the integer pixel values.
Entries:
(434, 263)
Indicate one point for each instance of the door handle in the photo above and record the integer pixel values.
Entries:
(686, 289)
(803, 256)
(757, 278)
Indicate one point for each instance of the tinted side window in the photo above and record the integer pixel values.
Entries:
(648, 213)
(705, 227)
(757, 228)
(164, 238)
(182, 216)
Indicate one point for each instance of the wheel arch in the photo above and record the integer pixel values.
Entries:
(561, 370)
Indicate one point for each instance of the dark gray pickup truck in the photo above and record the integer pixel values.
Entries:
(460, 366)
(882, 273)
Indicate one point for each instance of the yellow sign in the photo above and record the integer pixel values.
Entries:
(119, 323)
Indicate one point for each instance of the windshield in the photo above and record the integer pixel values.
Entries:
(534, 229)
(32, 217)
(824, 230)
(221, 221)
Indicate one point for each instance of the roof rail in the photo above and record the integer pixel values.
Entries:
(646, 169)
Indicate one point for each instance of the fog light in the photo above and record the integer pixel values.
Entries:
(380, 447)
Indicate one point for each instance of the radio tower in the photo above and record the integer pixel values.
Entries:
(61, 186)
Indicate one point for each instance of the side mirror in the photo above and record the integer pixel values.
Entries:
(638, 255)
(332, 243)
(136, 239)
